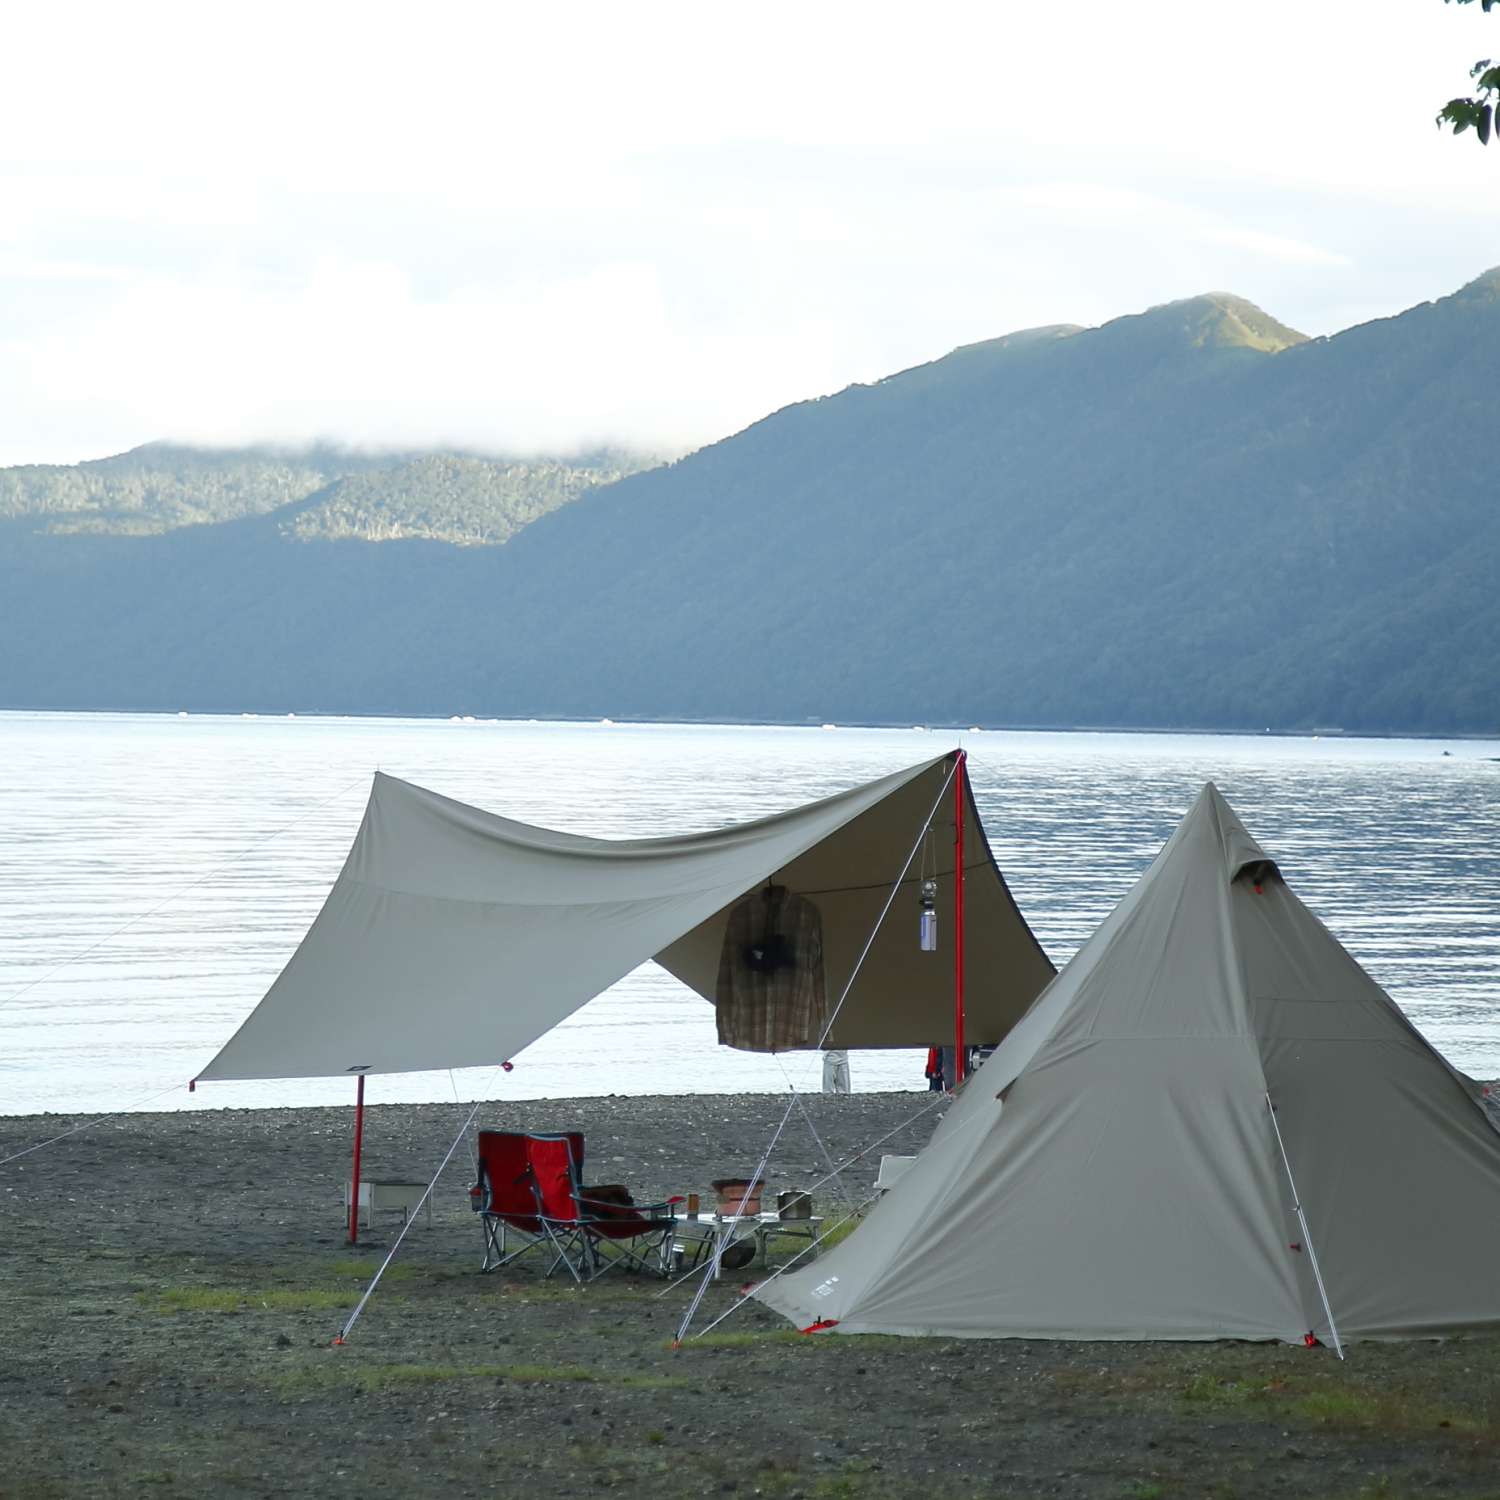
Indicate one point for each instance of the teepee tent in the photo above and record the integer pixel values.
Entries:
(454, 937)
(1212, 1124)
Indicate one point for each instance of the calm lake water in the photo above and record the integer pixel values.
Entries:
(156, 872)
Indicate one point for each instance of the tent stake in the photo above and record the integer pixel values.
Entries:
(959, 758)
(1312, 1254)
(359, 1136)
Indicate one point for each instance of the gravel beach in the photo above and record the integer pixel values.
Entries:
(172, 1284)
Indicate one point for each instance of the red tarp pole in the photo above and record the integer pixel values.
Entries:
(958, 918)
(359, 1136)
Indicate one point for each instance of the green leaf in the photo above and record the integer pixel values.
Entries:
(1466, 114)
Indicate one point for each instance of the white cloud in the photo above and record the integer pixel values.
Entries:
(522, 227)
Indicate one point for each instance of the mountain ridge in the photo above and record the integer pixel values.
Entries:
(1160, 522)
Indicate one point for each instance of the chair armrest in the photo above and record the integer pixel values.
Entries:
(596, 1208)
(659, 1208)
(620, 1213)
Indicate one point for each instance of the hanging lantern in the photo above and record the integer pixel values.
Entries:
(928, 919)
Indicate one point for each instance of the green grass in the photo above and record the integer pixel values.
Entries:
(1334, 1402)
(1214, 1391)
(1359, 1399)
(839, 1232)
(367, 1268)
(203, 1298)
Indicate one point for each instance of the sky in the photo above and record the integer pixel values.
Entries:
(535, 228)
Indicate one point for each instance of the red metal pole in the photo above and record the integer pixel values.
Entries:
(958, 918)
(359, 1136)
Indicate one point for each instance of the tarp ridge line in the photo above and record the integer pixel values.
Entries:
(590, 844)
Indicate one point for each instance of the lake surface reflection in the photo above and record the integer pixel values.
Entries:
(156, 872)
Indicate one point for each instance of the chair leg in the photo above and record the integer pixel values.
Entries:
(649, 1253)
(569, 1243)
(493, 1253)
(496, 1243)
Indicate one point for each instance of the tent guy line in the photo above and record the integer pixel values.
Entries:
(411, 1218)
(833, 1172)
(856, 1212)
(726, 1231)
(89, 1124)
(819, 1182)
(894, 889)
(896, 885)
(795, 1099)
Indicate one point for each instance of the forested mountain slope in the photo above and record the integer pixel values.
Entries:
(378, 496)
(1190, 517)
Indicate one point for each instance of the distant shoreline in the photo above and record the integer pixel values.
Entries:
(626, 721)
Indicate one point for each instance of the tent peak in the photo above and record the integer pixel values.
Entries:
(1212, 817)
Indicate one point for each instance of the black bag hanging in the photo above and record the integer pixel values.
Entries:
(771, 950)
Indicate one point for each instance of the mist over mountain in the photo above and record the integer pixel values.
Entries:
(1190, 517)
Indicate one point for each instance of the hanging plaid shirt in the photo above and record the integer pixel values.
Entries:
(770, 996)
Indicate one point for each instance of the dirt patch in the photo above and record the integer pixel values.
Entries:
(172, 1285)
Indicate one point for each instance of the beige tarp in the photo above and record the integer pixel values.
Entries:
(1113, 1171)
(453, 937)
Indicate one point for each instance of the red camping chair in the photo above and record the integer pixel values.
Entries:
(555, 1163)
(630, 1239)
(529, 1185)
(505, 1196)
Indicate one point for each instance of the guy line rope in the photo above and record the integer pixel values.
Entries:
(722, 1241)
